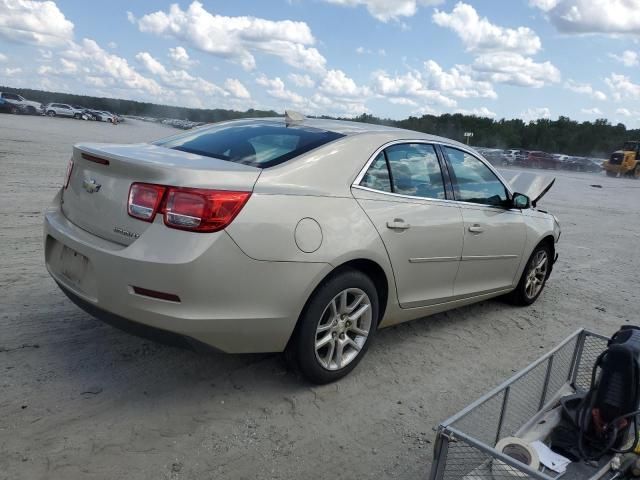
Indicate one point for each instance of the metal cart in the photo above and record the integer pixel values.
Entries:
(464, 446)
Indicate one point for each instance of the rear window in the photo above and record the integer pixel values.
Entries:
(262, 144)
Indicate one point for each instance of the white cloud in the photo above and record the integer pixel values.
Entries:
(151, 64)
(337, 84)
(480, 35)
(304, 81)
(407, 89)
(478, 112)
(591, 111)
(236, 88)
(131, 18)
(544, 5)
(237, 38)
(12, 71)
(456, 83)
(515, 69)
(385, 10)
(532, 114)
(3, 57)
(585, 89)
(276, 88)
(115, 71)
(323, 105)
(182, 80)
(624, 111)
(63, 67)
(180, 57)
(34, 22)
(592, 16)
(628, 58)
(622, 87)
(112, 45)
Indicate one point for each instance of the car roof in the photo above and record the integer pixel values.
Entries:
(347, 128)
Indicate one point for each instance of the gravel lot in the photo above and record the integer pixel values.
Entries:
(79, 399)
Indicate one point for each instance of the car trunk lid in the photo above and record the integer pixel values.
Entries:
(96, 196)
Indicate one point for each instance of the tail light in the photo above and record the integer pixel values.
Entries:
(193, 209)
(67, 174)
(144, 200)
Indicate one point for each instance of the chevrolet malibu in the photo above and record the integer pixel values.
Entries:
(292, 234)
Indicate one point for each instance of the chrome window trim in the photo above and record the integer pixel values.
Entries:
(404, 197)
(463, 148)
(452, 203)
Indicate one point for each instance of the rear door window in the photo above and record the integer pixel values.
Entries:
(260, 144)
(407, 169)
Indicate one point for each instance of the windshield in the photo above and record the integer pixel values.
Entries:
(259, 144)
(630, 146)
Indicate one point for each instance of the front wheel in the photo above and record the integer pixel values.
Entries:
(336, 327)
(534, 277)
(51, 113)
(611, 174)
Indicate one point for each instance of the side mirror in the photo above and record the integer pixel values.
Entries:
(520, 201)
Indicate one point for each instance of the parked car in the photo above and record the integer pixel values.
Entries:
(6, 107)
(22, 104)
(62, 110)
(538, 159)
(510, 156)
(304, 235)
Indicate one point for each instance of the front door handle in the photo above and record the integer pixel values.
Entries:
(476, 228)
(398, 224)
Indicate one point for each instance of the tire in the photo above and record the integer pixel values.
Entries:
(525, 294)
(51, 113)
(328, 318)
(77, 116)
(31, 110)
(611, 174)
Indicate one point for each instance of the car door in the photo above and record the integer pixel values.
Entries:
(404, 193)
(494, 233)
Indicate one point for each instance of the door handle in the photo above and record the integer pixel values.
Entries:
(476, 228)
(398, 224)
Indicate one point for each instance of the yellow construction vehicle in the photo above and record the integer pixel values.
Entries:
(625, 162)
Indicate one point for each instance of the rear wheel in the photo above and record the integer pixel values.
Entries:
(534, 277)
(51, 113)
(336, 327)
(611, 174)
(31, 110)
(77, 116)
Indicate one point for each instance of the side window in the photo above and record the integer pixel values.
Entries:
(474, 181)
(415, 170)
(377, 176)
(406, 169)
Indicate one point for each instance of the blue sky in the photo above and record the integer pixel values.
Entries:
(392, 58)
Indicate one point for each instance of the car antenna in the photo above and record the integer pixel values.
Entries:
(293, 117)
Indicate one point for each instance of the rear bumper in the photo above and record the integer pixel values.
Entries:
(227, 300)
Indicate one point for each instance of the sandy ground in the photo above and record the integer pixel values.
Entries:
(79, 399)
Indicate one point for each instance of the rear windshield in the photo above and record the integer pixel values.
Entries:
(260, 144)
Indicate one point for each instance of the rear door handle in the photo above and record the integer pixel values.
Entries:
(476, 228)
(398, 224)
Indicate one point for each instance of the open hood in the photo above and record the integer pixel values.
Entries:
(532, 185)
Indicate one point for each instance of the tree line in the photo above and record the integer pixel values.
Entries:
(598, 138)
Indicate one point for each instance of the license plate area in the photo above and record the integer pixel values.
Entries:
(71, 267)
(74, 265)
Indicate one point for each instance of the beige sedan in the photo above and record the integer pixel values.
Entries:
(292, 234)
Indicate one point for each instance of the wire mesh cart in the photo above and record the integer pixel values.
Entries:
(465, 443)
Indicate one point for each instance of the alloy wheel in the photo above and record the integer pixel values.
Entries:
(537, 274)
(343, 329)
